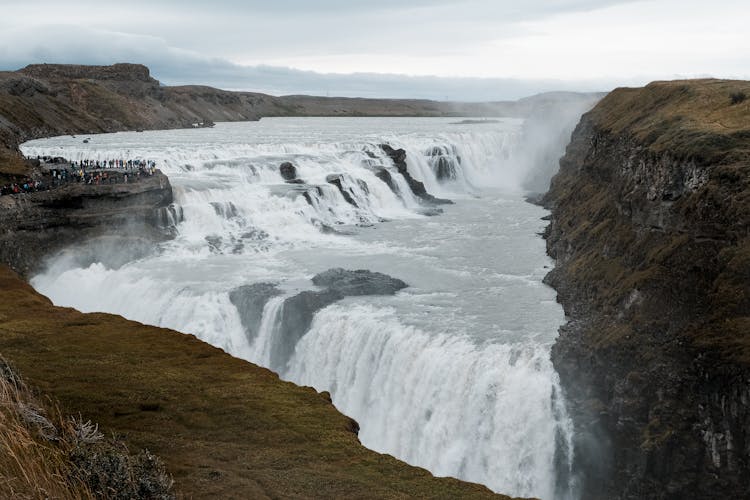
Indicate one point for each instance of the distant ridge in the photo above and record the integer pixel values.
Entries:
(43, 100)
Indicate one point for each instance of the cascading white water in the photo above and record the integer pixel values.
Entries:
(438, 401)
(452, 374)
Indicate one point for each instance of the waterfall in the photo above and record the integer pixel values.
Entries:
(269, 327)
(439, 402)
(432, 375)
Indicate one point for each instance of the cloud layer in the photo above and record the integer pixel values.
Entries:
(475, 49)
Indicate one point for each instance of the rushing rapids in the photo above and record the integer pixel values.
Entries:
(451, 373)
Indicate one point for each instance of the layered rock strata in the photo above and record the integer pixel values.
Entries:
(651, 234)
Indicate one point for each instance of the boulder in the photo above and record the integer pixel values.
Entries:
(288, 171)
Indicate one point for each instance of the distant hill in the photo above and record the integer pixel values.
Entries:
(44, 100)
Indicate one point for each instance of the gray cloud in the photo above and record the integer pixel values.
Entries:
(262, 30)
(252, 44)
(178, 67)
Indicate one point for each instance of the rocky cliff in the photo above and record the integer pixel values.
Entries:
(651, 233)
(125, 218)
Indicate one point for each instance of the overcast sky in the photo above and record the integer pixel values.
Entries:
(454, 49)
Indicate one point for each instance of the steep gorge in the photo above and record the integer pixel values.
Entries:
(651, 233)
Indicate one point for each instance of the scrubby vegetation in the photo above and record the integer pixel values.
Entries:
(687, 118)
(738, 97)
(44, 454)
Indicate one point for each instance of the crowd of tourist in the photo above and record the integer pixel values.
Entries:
(58, 172)
(26, 186)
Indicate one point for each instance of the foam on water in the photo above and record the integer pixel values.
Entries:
(452, 374)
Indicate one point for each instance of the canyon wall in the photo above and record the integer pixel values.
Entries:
(126, 219)
(650, 230)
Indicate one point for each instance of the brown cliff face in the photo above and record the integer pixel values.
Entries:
(117, 72)
(651, 234)
(36, 225)
(48, 99)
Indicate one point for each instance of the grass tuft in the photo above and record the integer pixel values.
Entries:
(45, 455)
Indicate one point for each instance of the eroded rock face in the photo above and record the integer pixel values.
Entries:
(336, 180)
(399, 160)
(120, 71)
(444, 162)
(250, 301)
(36, 225)
(653, 270)
(297, 311)
(384, 175)
(296, 317)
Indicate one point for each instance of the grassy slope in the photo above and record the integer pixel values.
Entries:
(694, 118)
(202, 411)
(661, 311)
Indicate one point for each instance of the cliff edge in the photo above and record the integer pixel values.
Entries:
(133, 215)
(651, 234)
(224, 428)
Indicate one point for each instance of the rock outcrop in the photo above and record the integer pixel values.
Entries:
(288, 171)
(359, 282)
(297, 311)
(129, 216)
(398, 156)
(651, 234)
(337, 180)
(250, 301)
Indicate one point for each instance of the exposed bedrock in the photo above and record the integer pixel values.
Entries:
(120, 216)
(297, 311)
(651, 235)
(336, 180)
(359, 282)
(250, 301)
(444, 161)
(398, 156)
(296, 317)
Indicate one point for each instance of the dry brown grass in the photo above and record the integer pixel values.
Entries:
(701, 119)
(34, 446)
(45, 455)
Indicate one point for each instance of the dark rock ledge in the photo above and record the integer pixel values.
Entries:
(36, 225)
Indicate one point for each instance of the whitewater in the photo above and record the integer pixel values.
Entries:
(452, 373)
